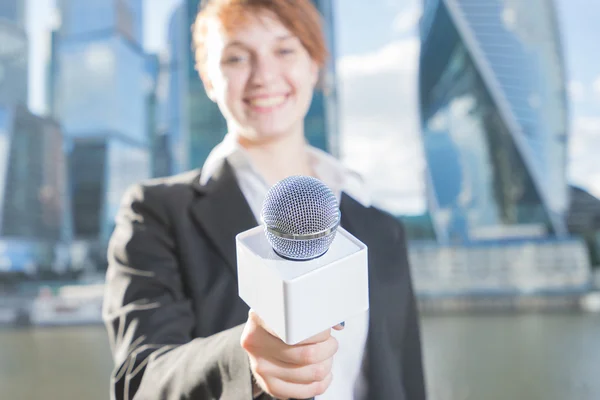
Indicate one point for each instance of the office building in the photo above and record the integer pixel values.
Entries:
(13, 56)
(34, 198)
(101, 83)
(494, 119)
(13, 11)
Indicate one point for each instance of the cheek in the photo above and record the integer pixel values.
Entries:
(303, 82)
(302, 77)
(233, 89)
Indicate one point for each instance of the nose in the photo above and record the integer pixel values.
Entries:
(264, 71)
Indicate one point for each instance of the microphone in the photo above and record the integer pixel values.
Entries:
(301, 216)
(300, 271)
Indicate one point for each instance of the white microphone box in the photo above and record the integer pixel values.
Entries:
(298, 299)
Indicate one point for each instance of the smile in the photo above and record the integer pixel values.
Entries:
(266, 103)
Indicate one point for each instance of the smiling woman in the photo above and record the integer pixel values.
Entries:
(172, 309)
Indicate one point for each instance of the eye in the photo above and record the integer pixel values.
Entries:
(234, 59)
(286, 51)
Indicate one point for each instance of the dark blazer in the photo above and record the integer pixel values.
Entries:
(172, 308)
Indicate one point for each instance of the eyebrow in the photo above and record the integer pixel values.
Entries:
(279, 39)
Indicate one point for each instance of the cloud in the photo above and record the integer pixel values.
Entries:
(597, 86)
(584, 168)
(407, 19)
(401, 56)
(576, 91)
(380, 126)
(100, 59)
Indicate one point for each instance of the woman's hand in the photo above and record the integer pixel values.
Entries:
(300, 371)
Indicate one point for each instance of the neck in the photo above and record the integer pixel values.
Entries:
(278, 158)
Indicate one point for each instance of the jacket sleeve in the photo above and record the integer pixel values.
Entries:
(412, 358)
(150, 320)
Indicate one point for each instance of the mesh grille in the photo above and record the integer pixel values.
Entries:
(300, 205)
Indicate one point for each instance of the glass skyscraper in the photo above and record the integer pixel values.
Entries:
(321, 123)
(101, 17)
(195, 122)
(34, 213)
(494, 118)
(13, 53)
(100, 88)
(13, 11)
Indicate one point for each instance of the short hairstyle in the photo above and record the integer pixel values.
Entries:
(300, 17)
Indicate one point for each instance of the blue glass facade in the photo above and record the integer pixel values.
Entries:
(195, 122)
(98, 17)
(136, 8)
(175, 99)
(102, 87)
(157, 135)
(13, 63)
(321, 123)
(103, 90)
(493, 110)
(35, 180)
(34, 200)
(14, 11)
(6, 117)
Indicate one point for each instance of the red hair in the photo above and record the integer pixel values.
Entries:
(300, 17)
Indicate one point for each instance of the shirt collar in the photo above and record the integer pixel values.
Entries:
(327, 168)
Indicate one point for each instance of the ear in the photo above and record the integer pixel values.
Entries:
(315, 73)
(208, 86)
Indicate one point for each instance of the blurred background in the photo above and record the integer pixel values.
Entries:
(475, 122)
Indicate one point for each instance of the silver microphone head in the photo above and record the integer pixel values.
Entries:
(301, 215)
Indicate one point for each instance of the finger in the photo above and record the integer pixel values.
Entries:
(318, 338)
(252, 315)
(254, 335)
(287, 390)
(293, 373)
(262, 344)
(307, 354)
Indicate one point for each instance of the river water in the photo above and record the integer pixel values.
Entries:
(480, 357)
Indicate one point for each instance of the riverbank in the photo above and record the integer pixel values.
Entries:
(73, 304)
(550, 356)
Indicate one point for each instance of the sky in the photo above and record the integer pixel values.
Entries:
(377, 50)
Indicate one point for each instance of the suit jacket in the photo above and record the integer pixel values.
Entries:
(172, 309)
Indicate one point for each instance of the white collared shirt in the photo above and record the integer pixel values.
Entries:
(347, 377)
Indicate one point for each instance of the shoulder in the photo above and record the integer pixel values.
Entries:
(164, 189)
(382, 232)
(159, 196)
(390, 235)
(381, 221)
(390, 223)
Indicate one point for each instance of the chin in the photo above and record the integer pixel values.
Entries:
(269, 133)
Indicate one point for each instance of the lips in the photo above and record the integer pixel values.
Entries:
(265, 103)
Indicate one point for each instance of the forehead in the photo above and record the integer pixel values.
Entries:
(256, 29)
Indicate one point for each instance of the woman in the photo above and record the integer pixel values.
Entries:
(177, 327)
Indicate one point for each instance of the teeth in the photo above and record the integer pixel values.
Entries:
(268, 101)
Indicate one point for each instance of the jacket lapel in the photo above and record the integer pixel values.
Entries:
(355, 219)
(222, 212)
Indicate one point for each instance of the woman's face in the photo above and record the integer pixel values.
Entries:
(261, 77)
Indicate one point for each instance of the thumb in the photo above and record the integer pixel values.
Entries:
(252, 315)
